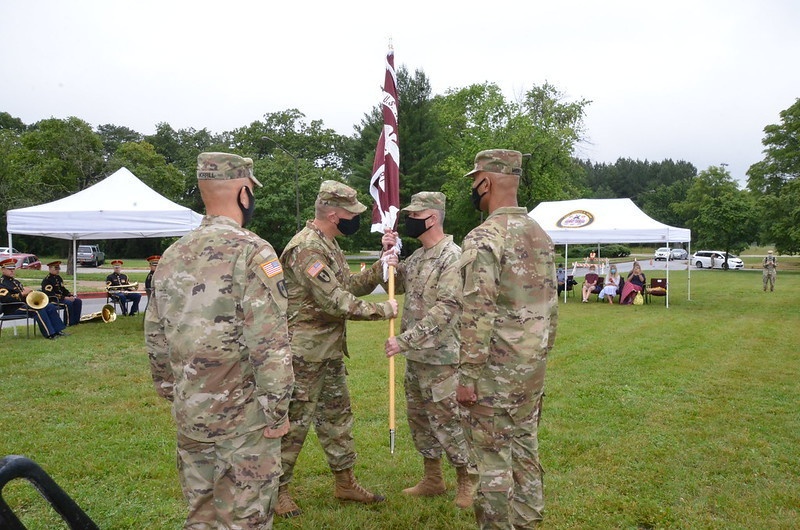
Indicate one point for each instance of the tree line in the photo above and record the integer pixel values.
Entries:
(439, 136)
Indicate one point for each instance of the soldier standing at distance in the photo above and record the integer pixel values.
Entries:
(219, 351)
(508, 326)
(430, 338)
(53, 285)
(322, 297)
(770, 270)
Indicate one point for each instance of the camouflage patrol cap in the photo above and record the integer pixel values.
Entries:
(224, 166)
(503, 161)
(426, 200)
(332, 193)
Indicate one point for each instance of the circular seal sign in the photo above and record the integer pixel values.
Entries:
(576, 219)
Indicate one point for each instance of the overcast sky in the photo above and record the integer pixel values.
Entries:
(694, 80)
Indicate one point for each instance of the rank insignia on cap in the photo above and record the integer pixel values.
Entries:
(272, 267)
(315, 269)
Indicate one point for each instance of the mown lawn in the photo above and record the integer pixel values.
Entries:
(684, 417)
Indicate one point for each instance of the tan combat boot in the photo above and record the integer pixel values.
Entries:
(286, 507)
(348, 489)
(432, 482)
(466, 488)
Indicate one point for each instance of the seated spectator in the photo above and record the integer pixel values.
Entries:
(53, 285)
(561, 279)
(117, 279)
(633, 284)
(611, 285)
(14, 294)
(589, 283)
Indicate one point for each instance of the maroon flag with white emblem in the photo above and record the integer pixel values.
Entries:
(384, 185)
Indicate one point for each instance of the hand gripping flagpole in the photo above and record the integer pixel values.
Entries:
(385, 189)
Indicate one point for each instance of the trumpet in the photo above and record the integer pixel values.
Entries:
(107, 314)
(37, 300)
(123, 287)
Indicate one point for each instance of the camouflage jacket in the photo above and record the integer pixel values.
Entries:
(216, 332)
(323, 295)
(431, 281)
(510, 308)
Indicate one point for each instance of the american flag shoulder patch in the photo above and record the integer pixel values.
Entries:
(315, 268)
(272, 267)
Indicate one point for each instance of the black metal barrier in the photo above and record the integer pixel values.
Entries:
(13, 467)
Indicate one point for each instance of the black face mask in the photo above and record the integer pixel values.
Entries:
(415, 227)
(247, 213)
(349, 227)
(476, 197)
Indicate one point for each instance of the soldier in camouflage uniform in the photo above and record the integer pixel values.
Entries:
(429, 338)
(322, 297)
(770, 266)
(218, 341)
(508, 325)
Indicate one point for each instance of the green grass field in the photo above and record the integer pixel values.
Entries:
(684, 417)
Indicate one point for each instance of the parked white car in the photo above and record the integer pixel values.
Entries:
(715, 259)
(665, 254)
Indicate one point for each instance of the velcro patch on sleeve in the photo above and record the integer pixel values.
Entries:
(272, 267)
(315, 268)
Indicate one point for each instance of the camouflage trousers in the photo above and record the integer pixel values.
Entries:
(505, 448)
(321, 398)
(433, 412)
(231, 484)
(769, 277)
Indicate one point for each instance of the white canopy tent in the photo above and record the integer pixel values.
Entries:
(594, 221)
(118, 207)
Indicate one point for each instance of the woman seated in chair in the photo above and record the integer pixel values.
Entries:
(633, 284)
(589, 283)
(611, 285)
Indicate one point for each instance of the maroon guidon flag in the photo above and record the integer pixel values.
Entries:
(384, 186)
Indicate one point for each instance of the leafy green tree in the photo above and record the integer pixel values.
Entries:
(7, 121)
(61, 156)
(542, 124)
(115, 135)
(720, 214)
(141, 159)
(774, 182)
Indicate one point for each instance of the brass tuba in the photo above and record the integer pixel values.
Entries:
(37, 300)
(107, 314)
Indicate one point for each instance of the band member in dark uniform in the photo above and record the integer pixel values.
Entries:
(116, 278)
(14, 294)
(148, 282)
(53, 286)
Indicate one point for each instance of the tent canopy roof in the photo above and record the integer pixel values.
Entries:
(119, 207)
(603, 221)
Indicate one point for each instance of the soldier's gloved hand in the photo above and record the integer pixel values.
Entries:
(393, 304)
(277, 433)
(392, 347)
